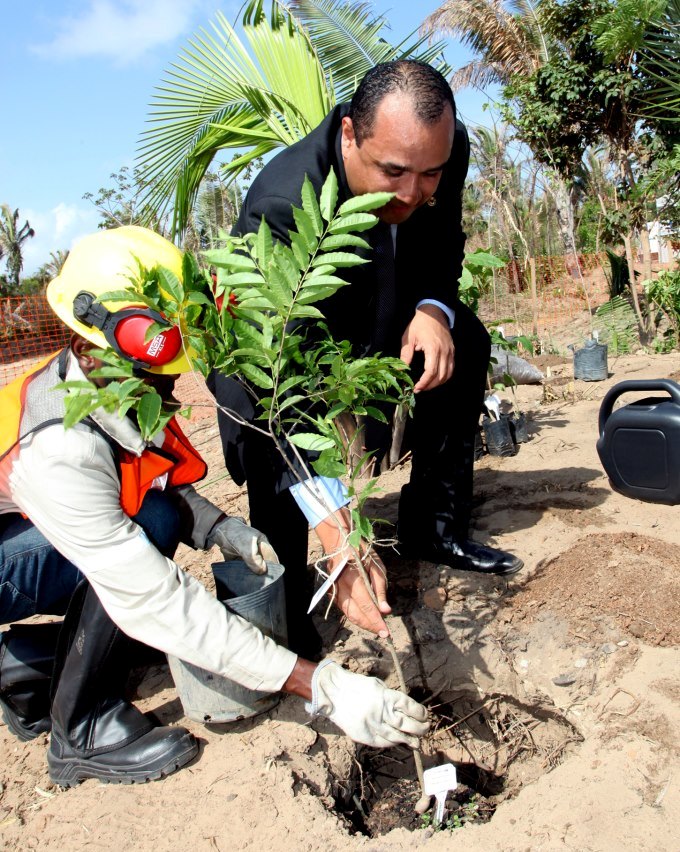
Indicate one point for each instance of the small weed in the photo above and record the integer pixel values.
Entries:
(466, 812)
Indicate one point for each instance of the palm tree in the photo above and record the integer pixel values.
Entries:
(12, 238)
(220, 94)
(507, 37)
(54, 265)
(510, 42)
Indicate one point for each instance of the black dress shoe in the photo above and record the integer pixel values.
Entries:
(469, 556)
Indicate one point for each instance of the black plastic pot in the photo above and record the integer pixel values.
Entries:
(518, 428)
(498, 437)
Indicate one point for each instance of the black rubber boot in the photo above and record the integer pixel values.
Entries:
(95, 732)
(26, 662)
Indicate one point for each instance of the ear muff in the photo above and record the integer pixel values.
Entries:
(125, 331)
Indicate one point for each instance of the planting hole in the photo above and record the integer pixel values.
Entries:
(497, 745)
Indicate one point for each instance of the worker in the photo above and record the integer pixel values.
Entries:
(90, 517)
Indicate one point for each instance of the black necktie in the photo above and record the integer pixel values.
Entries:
(385, 287)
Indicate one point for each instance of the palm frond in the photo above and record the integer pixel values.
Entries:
(659, 60)
(217, 96)
(510, 43)
(476, 74)
(347, 38)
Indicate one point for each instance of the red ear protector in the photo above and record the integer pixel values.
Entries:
(125, 331)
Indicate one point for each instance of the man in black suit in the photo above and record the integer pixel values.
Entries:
(399, 134)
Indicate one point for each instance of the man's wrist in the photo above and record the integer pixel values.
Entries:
(447, 312)
(299, 681)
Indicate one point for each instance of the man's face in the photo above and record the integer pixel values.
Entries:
(403, 156)
(164, 385)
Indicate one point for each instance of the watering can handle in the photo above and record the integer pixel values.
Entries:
(614, 393)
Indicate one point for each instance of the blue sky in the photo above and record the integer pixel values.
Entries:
(80, 75)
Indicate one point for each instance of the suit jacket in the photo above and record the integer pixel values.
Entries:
(427, 263)
(429, 246)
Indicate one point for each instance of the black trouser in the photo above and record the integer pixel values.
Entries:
(441, 434)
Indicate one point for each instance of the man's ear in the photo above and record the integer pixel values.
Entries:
(348, 138)
(81, 348)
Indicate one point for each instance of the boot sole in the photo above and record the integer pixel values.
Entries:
(70, 771)
(14, 727)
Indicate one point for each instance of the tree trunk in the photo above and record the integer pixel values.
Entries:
(564, 207)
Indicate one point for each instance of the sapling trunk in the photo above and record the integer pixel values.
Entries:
(423, 802)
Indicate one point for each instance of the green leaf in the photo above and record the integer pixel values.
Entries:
(311, 206)
(484, 259)
(78, 406)
(171, 284)
(305, 312)
(264, 244)
(329, 196)
(229, 259)
(110, 372)
(362, 525)
(75, 385)
(328, 464)
(242, 279)
(290, 401)
(365, 203)
(311, 441)
(299, 248)
(337, 241)
(197, 298)
(281, 286)
(252, 356)
(290, 382)
(353, 222)
(148, 412)
(306, 229)
(316, 293)
(376, 413)
(339, 259)
(257, 376)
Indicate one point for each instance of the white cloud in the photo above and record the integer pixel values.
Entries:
(58, 228)
(122, 30)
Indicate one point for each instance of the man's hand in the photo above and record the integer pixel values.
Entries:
(365, 709)
(351, 594)
(236, 539)
(429, 333)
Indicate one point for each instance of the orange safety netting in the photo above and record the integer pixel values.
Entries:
(28, 331)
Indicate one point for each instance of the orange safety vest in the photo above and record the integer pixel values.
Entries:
(176, 458)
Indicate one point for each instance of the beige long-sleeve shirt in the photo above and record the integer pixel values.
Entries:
(66, 482)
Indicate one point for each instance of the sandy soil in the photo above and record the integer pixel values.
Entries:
(556, 693)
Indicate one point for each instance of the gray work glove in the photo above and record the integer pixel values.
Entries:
(365, 709)
(237, 540)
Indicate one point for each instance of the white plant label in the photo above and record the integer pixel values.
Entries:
(438, 781)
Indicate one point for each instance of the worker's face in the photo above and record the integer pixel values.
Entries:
(403, 156)
(164, 385)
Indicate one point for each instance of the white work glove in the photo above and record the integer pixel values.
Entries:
(237, 540)
(365, 709)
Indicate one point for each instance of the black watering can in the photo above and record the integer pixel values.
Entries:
(639, 443)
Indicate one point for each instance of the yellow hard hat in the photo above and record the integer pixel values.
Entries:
(108, 261)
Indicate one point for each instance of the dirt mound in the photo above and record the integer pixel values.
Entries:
(633, 578)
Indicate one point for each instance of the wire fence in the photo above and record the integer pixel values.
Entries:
(542, 297)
